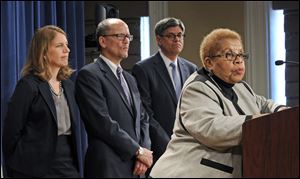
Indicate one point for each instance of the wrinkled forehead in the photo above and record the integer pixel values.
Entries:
(229, 44)
(118, 27)
(173, 29)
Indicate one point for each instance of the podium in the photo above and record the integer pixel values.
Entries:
(271, 145)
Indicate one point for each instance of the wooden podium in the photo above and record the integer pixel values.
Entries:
(271, 145)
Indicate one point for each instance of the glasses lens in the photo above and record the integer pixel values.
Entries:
(245, 56)
(230, 56)
(180, 36)
(122, 37)
(130, 37)
(172, 36)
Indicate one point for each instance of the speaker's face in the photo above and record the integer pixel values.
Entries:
(228, 62)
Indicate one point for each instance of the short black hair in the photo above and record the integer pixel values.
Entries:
(165, 23)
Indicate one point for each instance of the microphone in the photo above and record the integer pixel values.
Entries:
(280, 62)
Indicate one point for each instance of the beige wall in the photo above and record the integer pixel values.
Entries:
(249, 18)
(200, 17)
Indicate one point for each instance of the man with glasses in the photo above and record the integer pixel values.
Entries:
(160, 79)
(214, 104)
(110, 106)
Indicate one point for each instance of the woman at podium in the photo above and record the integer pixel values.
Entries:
(214, 104)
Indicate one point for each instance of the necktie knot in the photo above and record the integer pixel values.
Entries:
(119, 72)
(172, 64)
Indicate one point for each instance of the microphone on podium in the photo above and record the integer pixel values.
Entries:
(280, 62)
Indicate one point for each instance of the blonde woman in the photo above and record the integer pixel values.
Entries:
(39, 136)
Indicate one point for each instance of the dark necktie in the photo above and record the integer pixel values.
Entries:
(176, 79)
(123, 83)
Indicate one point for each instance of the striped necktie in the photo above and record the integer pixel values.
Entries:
(176, 79)
(123, 83)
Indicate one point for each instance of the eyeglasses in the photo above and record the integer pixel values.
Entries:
(121, 37)
(172, 36)
(231, 56)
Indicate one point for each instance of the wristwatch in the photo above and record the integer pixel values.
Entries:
(140, 151)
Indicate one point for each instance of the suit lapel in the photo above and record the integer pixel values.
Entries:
(46, 93)
(183, 70)
(136, 101)
(133, 96)
(114, 81)
(161, 69)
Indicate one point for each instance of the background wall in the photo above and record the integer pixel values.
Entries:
(291, 29)
(201, 17)
(249, 18)
(130, 12)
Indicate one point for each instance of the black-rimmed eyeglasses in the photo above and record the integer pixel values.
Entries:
(172, 36)
(121, 37)
(231, 56)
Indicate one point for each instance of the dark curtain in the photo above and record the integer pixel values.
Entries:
(19, 20)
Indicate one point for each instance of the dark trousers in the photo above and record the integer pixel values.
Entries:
(63, 166)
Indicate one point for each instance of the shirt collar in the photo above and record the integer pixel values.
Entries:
(110, 64)
(166, 60)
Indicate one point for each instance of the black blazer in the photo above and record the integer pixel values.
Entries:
(30, 127)
(115, 129)
(159, 97)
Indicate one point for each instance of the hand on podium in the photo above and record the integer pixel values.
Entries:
(283, 108)
(259, 115)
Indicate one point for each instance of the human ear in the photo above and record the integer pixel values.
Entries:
(102, 42)
(208, 62)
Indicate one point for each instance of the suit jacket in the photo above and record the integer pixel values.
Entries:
(30, 127)
(159, 97)
(207, 135)
(115, 129)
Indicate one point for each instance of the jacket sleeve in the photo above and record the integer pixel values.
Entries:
(16, 117)
(145, 138)
(203, 118)
(96, 117)
(157, 133)
(265, 105)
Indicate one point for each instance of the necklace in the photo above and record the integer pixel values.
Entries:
(60, 90)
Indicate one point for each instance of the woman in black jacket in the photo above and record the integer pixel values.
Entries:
(39, 133)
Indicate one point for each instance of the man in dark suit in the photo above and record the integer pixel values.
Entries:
(160, 84)
(110, 106)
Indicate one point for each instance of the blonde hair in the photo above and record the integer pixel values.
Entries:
(212, 42)
(36, 63)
